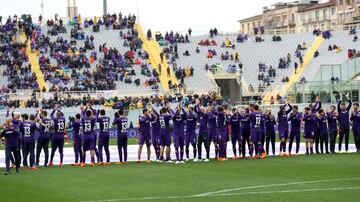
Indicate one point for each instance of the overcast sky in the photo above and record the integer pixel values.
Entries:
(159, 15)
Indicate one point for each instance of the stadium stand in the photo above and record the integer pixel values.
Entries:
(251, 54)
(106, 53)
(116, 55)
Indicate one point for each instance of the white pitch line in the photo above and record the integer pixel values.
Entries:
(219, 193)
(276, 185)
(285, 191)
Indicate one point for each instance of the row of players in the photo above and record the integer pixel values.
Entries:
(215, 125)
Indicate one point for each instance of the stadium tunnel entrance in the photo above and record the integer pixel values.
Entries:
(230, 90)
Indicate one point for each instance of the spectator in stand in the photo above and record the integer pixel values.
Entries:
(316, 54)
(296, 67)
(149, 35)
(189, 31)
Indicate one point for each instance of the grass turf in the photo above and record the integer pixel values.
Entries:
(164, 180)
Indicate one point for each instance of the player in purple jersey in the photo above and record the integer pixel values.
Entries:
(144, 135)
(295, 119)
(28, 130)
(228, 127)
(11, 135)
(190, 135)
(212, 129)
(235, 132)
(256, 118)
(58, 139)
(245, 129)
(165, 138)
(332, 117)
(155, 127)
(270, 123)
(16, 120)
(95, 115)
(355, 118)
(344, 123)
(315, 107)
(88, 129)
(324, 132)
(76, 126)
(203, 136)
(121, 123)
(309, 122)
(263, 135)
(221, 126)
(45, 126)
(283, 127)
(179, 117)
(104, 125)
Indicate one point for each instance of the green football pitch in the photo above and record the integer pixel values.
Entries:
(301, 178)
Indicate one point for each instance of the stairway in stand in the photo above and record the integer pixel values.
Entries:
(35, 67)
(153, 48)
(309, 55)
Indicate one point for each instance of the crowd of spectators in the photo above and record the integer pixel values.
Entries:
(259, 30)
(325, 34)
(115, 102)
(13, 55)
(67, 66)
(242, 37)
(213, 32)
(170, 38)
(353, 53)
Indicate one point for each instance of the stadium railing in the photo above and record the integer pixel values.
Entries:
(345, 71)
(329, 91)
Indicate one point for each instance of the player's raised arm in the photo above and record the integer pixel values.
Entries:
(349, 106)
(290, 108)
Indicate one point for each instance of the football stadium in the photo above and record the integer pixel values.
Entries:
(167, 100)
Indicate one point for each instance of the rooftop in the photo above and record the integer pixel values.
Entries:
(318, 6)
(255, 17)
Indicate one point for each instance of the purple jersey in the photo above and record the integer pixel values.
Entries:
(211, 120)
(88, 125)
(221, 121)
(322, 124)
(191, 122)
(203, 120)
(144, 122)
(76, 126)
(283, 118)
(344, 115)
(355, 118)
(18, 123)
(295, 120)
(164, 120)
(316, 107)
(179, 121)
(309, 124)
(28, 129)
(332, 121)
(121, 123)
(11, 135)
(104, 124)
(245, 121)
(155, 123)
(45, 128)
(270, 123)
(235, 122)
(255, 120)
(59, 125)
